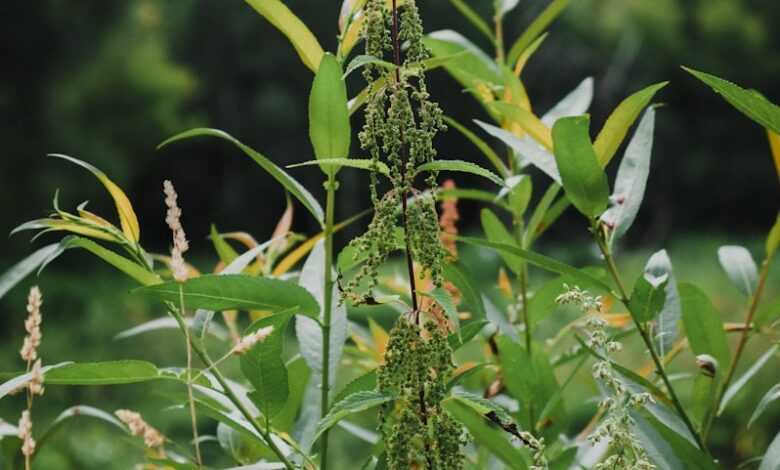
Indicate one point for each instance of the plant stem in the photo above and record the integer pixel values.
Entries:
(198, 349)
(190, 396)
(500, 55)
(743, 339)
(612, 267)
(331, 186)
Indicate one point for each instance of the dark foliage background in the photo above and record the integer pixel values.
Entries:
(108, 81)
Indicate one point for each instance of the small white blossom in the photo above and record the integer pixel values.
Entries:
(25, 434)
(36, 379)
(32, 325)
(140, 428)
(180, 244)
(248, 342)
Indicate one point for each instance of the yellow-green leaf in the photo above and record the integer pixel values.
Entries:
(329, 128)
(620, 121)
(302, 39)
(124, 208)
(528, 121)
(536, 28)
(774, 144)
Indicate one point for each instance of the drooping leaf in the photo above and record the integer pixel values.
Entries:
(297, 33)
(544, 262)
(620, 121)
(329, 127)
(486, 434)
(631, 178)
(536, 28)
(264, 367)
(131, 268)
(748, 102)
(355, 403)
(474, 18)
(124, 208)
(460, 166)
(480, 144)
(23, 268)
(703, 325)
(666, 324)
(771, 460)
(583, 178)
(770, 396)
(739, 267)
(236, 292)
(496, 232)
(289, 183)
(740, 383)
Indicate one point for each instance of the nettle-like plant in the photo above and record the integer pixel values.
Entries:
(443, 403)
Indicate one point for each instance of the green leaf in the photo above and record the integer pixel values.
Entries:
(298, 375)
(767, 314)
(23, 268)
(771, 460)
(363, 383)
(773, 239)
(621, 119)
(537, 225)
(329, 127)
(103, 373)
(215, 292)
(297, 33)
(264, 368)
(505, 6)
(666, 327)
(536, 28)
(289, 183)
(363, 60)
(444, 299)
(520, 189)
(466, 334)
(132, 269)
(631, 178)
(771, 395)
(354, 403)
(474, 195)
(738, 384)
(460, 278)
(748, 102)
(480, 144)
(481, 405)
(225, 252)
(583, 178)
(703, 325)
(544, 262)
(485, 434)
(360, 164)
(739, 267)
(461, 166)
(527, 120)
(648, 298)
(496, 232)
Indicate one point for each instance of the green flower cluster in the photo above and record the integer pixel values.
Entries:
(417, 432)
(400, 124)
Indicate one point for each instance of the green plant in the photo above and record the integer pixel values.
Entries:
(468, 376)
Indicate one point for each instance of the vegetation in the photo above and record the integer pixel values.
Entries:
(471, 374)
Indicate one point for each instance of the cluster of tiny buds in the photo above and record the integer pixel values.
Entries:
(25, 434)
(539, 460)
(29, 350)
(140, 428)
(248, 342)
(180, 244)
(573, 295)
(36, 379)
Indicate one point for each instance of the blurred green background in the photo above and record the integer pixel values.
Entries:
(107, 81)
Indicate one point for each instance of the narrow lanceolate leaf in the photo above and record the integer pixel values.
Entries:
(496, 232)
(474, 18)
(232, 292)
(289, 183)
(481, 405)
(666, 324)
(103, 373)
(631, 178)
(738, 384)
(773, 239)
(132, 269)
(544, 262)
(620, 121)
(770, 396)
(528, 121)
(536, 28)
(748, 102)
(355, 403)
(357, 163)
(480, 144)
(124, 208)
(23, 268)
(771, 460)
(329, 127)
(575, 103)
(739, 267)
(297, 33)
(17, 381)
(583, 178)
(774, 145)
(703, 325)
(363, 60)
(264, 367)
(460, 166)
